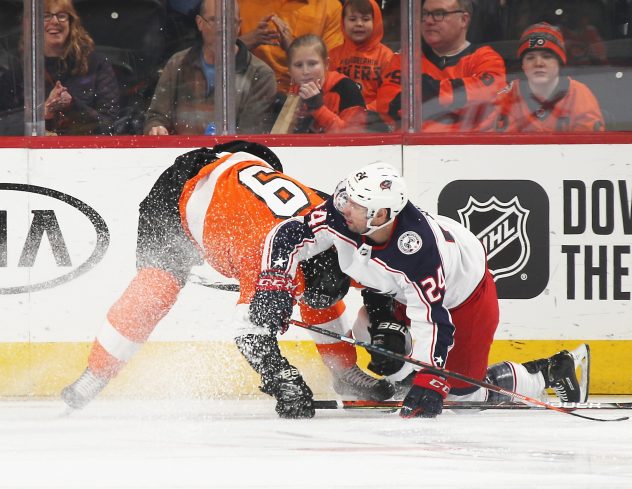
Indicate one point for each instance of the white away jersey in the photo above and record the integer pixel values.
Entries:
(431, 264)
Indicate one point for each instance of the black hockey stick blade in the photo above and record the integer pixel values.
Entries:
(483, 405)
(448, 373)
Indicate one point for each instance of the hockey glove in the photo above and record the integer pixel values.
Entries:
(271, 306)
(425, 397)
(392, 337)
(294, 397)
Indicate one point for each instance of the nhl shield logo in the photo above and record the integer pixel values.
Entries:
(502, 228)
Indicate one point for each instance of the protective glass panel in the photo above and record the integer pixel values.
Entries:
(526, 66)
(330, 74)
(11, 80)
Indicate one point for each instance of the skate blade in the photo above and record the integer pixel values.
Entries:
(67, 412)
(581, 357)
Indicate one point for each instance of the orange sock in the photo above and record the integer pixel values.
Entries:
(337, 356)
(101, 363)
(149, 296)
(132, 318)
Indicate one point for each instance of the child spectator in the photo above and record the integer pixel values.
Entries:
(331, 101)
(269, 27)
(362, 57)
(546, 102)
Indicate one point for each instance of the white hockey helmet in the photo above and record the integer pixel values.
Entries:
(375, 186)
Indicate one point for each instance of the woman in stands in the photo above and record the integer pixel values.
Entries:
(547, 101)
(330, 101)
(83, 93)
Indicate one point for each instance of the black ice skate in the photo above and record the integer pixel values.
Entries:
(567, 373)
(83, 390)
(356, 383)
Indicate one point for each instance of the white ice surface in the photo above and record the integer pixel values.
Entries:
(242, 444)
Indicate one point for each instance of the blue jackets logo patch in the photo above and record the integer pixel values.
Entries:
(409, 243)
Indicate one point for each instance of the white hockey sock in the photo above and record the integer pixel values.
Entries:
(528, 384)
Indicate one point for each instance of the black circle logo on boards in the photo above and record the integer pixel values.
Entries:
(511, 218)
(64, 222)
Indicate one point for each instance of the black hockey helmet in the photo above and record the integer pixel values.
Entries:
(256, 149)
(325, 283)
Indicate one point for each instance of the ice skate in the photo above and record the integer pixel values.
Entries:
(83, 390)
(356, 383)
(567, 373)
(403, 386)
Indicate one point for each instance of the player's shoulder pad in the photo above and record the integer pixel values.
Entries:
(200, 155)
(256, 149)
(322, 214)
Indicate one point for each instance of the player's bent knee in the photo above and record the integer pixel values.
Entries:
(501, 374)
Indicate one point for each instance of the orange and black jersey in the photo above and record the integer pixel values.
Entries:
(216, 205)
(343, 109)
(229, 207)
(572, 107)
(451, 87)
(218, 208)
(364, 63)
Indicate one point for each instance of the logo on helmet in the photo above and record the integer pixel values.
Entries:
(386, 184)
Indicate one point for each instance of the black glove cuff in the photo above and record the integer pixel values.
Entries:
(315, 102)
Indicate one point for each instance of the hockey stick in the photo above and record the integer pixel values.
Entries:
(196, 279)
(447, 373)
(481, 406)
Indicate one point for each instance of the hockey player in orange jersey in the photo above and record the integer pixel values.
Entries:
(546, 101)
(458, 78)
(218, 205)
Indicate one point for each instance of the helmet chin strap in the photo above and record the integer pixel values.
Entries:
(370, 228)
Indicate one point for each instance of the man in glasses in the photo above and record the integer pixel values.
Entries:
(184, 99)
(458, 78)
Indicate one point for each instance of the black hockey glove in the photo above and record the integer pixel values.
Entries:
(279, 379)
(293, 395)
(425, 397)
(392, 337)
(315, 102)
(271, 306)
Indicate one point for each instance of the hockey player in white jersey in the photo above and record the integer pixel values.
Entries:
(427, 292)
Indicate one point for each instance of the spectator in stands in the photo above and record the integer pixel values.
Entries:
(270, 26)
(547, 101)
(183, 102)
(584, 44)
(457, 76)
(330, 101)
(11, 98)
(362, 57)
(83, 93)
